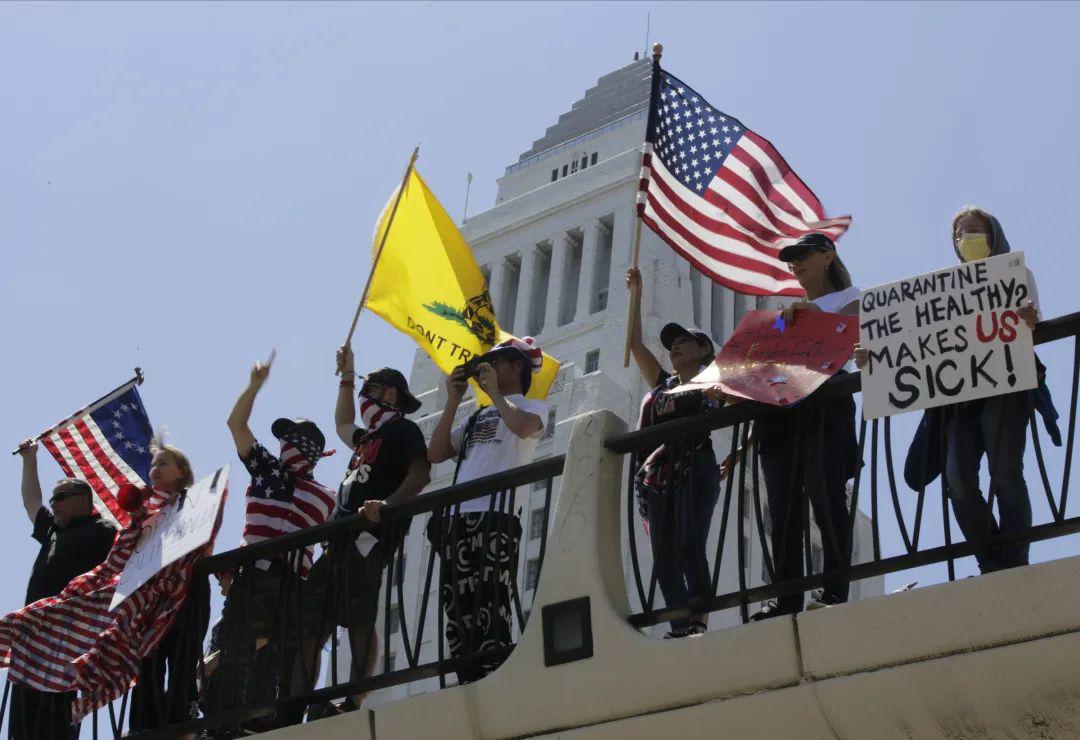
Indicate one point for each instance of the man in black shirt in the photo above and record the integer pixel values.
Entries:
(74, 539)
(388, 466)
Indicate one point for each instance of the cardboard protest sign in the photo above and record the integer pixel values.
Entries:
(947, 336)
(173, 532)
(776, 363)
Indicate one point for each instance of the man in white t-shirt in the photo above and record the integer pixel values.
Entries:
(478, 539)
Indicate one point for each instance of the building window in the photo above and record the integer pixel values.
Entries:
(555, 174)
(532, 574)
(573, 166)
(593, 160)
(564, 169)
(584, 162)
(540, 485)
(549, 428)
(592, 361)
(601, 300)
(395, 619)
(536, 524)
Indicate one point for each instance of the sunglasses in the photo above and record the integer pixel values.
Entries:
(64, 496)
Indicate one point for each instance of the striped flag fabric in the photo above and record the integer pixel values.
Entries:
(107, 444)
(721, 195)
(74, 642)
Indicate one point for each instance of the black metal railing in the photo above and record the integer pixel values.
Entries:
(265, 652)
(741, 491)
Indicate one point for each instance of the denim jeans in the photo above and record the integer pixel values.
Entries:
(807, 453)
(997, 428)
(679, 522)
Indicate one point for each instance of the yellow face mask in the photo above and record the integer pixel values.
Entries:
(973, 247)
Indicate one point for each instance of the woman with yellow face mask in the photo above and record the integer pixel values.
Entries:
(994, 427)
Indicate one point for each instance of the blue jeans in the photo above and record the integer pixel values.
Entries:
(679, 529)
(995, 427)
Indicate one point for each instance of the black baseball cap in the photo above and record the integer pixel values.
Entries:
(407, 402)
(673, 331)
(303, 427)
(807, 243)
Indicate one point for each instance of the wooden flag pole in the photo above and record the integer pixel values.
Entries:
(382, 243)
(634, 304)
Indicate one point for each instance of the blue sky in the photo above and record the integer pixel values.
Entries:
(185, 186)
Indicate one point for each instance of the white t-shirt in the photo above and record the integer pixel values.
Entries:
(834, 302)
(493, 448)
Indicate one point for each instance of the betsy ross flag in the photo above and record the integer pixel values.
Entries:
(722, 196)
(107, 444)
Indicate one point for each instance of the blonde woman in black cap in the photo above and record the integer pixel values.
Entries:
(811, 450)
(678, 483)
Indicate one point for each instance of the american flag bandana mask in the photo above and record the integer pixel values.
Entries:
(310, 451)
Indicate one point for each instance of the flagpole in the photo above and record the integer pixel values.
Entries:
(137, 380)
(382, 242)
(634, 304)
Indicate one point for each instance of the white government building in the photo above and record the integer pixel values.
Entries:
(555, 247)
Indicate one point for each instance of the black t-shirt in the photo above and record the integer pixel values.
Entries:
(379, 463)
(660, 407)
(66, 552)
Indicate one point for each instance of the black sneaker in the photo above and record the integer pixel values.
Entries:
(769, 611)
(820, 599)
(679, 633)
(697, 629)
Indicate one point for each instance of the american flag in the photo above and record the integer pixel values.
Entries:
(73, 642)
(106, 444)
(721, 195)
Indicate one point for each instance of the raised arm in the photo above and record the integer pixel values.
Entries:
(241, 413)
(645, 359)
(440, 447)
(31, 484)
(522, 423)
(345, 410)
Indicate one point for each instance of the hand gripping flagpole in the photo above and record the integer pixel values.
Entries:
(137, 380)
(634, 305)
(382, 242)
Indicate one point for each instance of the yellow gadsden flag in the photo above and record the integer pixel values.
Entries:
(426, 283)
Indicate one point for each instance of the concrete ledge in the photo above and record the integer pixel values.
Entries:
(995, 609)
(354, 726)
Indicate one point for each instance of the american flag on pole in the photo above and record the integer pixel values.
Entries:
(107, 444)
(722, 196)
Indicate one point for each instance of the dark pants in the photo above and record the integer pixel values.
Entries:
(679, 522)
(995, 427)
(807, 455)
(478, 555)
(247, 667)
(40, 715)
(152, 706)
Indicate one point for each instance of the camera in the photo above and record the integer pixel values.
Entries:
(470, 367)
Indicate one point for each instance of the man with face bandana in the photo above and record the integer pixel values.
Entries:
(283, 497)
(389, 466)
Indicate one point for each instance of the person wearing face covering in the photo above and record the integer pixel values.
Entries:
(677, 484)
(283, 497)
(810, 451)
(994, 427)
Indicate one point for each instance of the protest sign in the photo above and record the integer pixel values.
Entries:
(947, 336)
(173, 532)
(776, 363)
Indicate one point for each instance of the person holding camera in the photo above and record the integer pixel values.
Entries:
(476, 577)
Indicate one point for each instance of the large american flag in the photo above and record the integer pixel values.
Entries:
(107, 444)
(721, 195)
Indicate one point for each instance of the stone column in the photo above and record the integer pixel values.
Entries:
(704, 307)
(497, 285)
(586, 282)
(526, 278)
(560, 251)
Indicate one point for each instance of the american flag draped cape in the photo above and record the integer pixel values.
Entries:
(107, 444)
(722, 196)
(72, 642)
